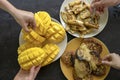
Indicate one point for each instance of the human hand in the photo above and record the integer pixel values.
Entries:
(113, 60)
(27, 75)
(25, 19)
(101, 4)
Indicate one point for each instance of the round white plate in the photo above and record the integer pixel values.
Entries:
(102, 22)
(61, 45)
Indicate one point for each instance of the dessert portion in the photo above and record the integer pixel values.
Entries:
(79, 18)
(40, 46)
(45, 31)
(37, 56)
(85, 60)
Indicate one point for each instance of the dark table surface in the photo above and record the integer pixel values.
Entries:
(9, 39)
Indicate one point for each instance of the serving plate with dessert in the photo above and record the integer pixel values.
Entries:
(42, 45)
(61, 45)
(79, 21)
(82, 59)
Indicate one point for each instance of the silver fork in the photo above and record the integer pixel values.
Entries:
(93, 13)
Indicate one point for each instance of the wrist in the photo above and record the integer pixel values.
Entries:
(13, 11)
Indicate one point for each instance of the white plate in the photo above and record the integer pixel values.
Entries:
(102, 22)
(61, 45)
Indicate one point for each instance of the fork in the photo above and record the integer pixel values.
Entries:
(93, 13)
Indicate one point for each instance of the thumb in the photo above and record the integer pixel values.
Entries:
(37, 69)
(25, 27)
(107, 63)
(34, 71)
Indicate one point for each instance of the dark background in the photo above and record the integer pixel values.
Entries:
(9, 39)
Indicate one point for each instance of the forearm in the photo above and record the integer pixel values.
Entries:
(5, 5)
